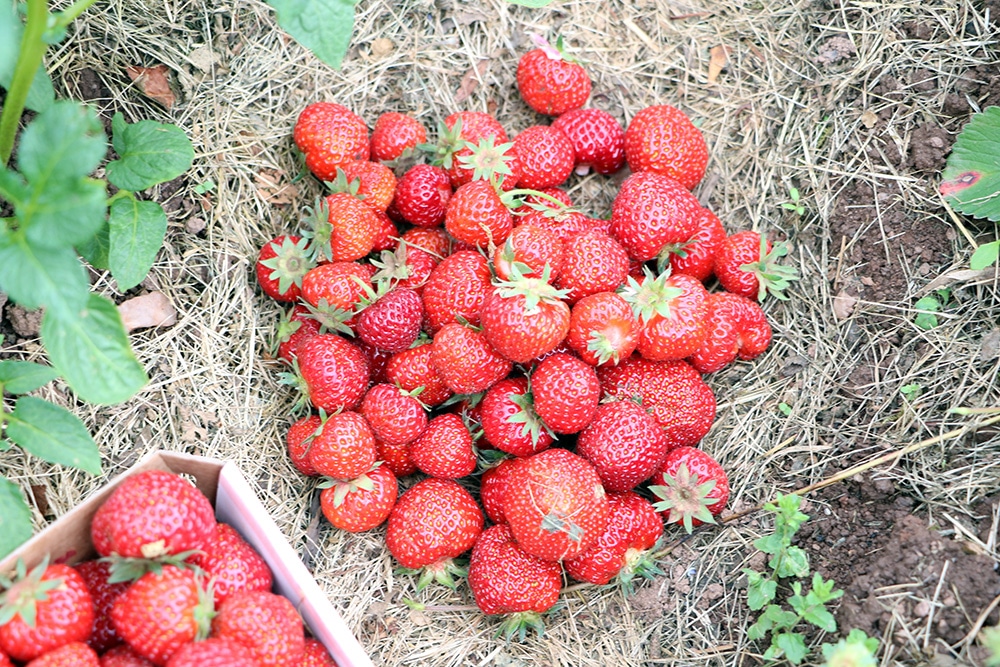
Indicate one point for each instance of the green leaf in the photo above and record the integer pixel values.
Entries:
(149, 153)
(769, 544)
(65, 142)
(971, 179)
(91, 351)
(15, 517)
(41, 94)
(20, 377)
(136, 230)
(97, 248)
(64, 213)
(985, 255)
(821, 618)
(322, 26)
(795, 563)
(760, 590)
(926, 320)
(780, 618)
(36, 277)
(53, 434)
(792, 645)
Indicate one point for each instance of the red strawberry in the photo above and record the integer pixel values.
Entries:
(95, 573)
(330, 134)
(524, 317)
(506, 580)
(566, 392)
(333, 373)
(392, 321)
(456, 289)
(5, 661)
(736, 326)
(651, 211)
(550, 81)
(344, 447)
(478, 216)
(466, 361)
(362, 503)
(593, 262)
(696, 256)
(633, 529)
(395, 457)
(661, 139)
(488, 161)
(598, 139)
(153, 514)
(281, 264)
(493, 487)
(295, 326)
(373, 183)
(422, 195)
(692, 488)
(412, 370)
(378, 360)
(299, 441)
(388, 236)
(509, 420)
(232, 565)
(602, 329)
(555, 504)
(624, 443)
(395, 416)
(316, 655)
(161, 612)
(395, 134)
(433, 522)
(458, 133)
(265, 623)
(337, 286)
(212, 652)
(122, 656)
(43, 609)
(445, 448)
(343, 228)
(546, 157)
(74, 654)
(533, 246)
(747, 264)
(671, 312)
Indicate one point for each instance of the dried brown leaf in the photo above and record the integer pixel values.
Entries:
(470, 81)
(718, 61)
(843, 305)
(274, 188)
(153, 82)
(149, 310)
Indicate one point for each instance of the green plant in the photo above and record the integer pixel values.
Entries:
(795, 203)
(61, 213)
(990, 638)
(911, 391)
(855, 650)
(926, 308)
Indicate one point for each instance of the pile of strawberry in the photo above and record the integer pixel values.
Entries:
(172, 586)
(454, 311)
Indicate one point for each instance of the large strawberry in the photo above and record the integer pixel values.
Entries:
(395, 416)
(546, 157)
(153, 514)
(651, 211)
(555, 504)
(671, 312)
(593, 262)
(213, 652)
(422, 195)
(566, 392)
(691, 488)
(458, 134)
(445, 448)
(456, 289)
(598, 139)
(281, 264)
(265, 623)
(550, 81)
(74, 654)
(392, 320)
(466, 361)
(344, 446)
(395, 134)
(43, 609)
(602, 329)
(103, 593)
(624, 443)
(534, 247)
(747, 264)
(433, 522)
(737, 327)
(361, 503)
(663, 140)
(478, 216)
(412, 371)
(330, 134)
(504, 579)
(696, 256)
(509, 420)
(232, 565)
(332, 372)
(525, 317)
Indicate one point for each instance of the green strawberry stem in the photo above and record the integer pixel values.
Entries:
(772, 278)
(653, 296)
(519, 623)
(129, 569)
(514, 198)
(444, 572)
(685, 498)
(29, 60)
(290, 262)
(488, 161)
(23, 593)
(638, 562)
(535, 290)
(532, 423)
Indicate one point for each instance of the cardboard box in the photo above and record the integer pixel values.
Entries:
(236, 503)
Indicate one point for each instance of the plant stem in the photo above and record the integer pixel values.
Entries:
(28, 61)
(64, 18)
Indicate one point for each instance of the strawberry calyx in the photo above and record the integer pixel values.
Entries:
(391, 265)
(130, 569)
(684, 498)
(772, 278)
(21, 595)
(526, 415)
(318, 231)
(204, 611)
(294, 379)
(518, 624)
(555, 51)
(329, 317)
(638, 563)
(668, 251)
(342, 488)
(651, 297)
(286, 328)
(535, 290)
(607, 342)
(445, 572)
(449, 142)
(516, 198)
(488, 161)
(347, 186)
(291, 261)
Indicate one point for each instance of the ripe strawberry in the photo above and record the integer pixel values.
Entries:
(265, 623)
(5, 661)
(232, 565)
(299, 441)
(506, 580)
(633, 529)
(212, 652)
(692, 488)
(671, 313)
(161, 612)
(566, 223)
(392, 321)
(593, 262)
(422, 195)
(395, 416)
(566, 392)
(332, 372)
(74, 654)
(661, 139)
(493, 487)
(550, 81)
(488, 161)
(372, 183)
(412, 370)
(747, 264)
(524, 317)
(316, 655)
(651, 211)
(337, 286)
(456, 289)
(673, 391)
(466, 361)
(459, 132)
(445, 449)
(602, 328)
(546, 157)
(362, 503)
(343, 228)
(281, 264)
(395, 134)
(433, 522)
(388, 236)
(555, 504)
(153, 514)
(330, 134)
(509, 420)
(696, 256)
(295, 326)
(95, 574)
(344, 447)
(624, 443)
(533, 246)
(478, 216)
(598, 139)
(395, 457)
(43, 609)
(122, 655)
(737, 327)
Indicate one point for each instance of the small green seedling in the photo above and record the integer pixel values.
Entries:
(926, 308)
(795, 203)
(856, 650)
(785, 409)
(911, 391)
(990, 638)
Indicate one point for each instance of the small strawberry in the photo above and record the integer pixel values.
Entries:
(504, 579)
(661, 139)
(281, 264)
(372, 183)
(692, 488)
(96, 573)
(459, 132)
(651, 211)
(299, 441)
(394, 415)
(593, 262)
(696, 256)
(123, 655)
(153, 514)
(456, 289)
(344, 447)
(264, 623)
(602, 329)
(598, 139)
(422, 195)
(232, 565)
(212, 652)
(336, 287)
(493, 487)
(412, 370)
(433, 522)
(478, 216)
(525, 316)
(624, 443)
(550, 81)
(509, 420)
(342, 228)
(466, 361)
(395, 134)
(332, 373)
(391, 318)
(74, 654)
(362, 503)
(295, 326)
(534, 247)
(737, 327)
(329, 135)
(566, 392)
(43, 609)
(445, 448)
(747, 264)
(316, 655)
(555, 504)
(671, 312)
(546, 157)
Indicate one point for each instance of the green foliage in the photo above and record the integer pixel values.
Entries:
(970, 181)
(856, 650)
(985, 255)
(990, 638)
(926, 308)
(795, 203)
(911, 391)
(40, 94)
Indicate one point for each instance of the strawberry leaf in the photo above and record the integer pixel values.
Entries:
(322, 26)
(970, 181)
(149, 153)
(15, 517)
(53, 434)
(135, 234)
